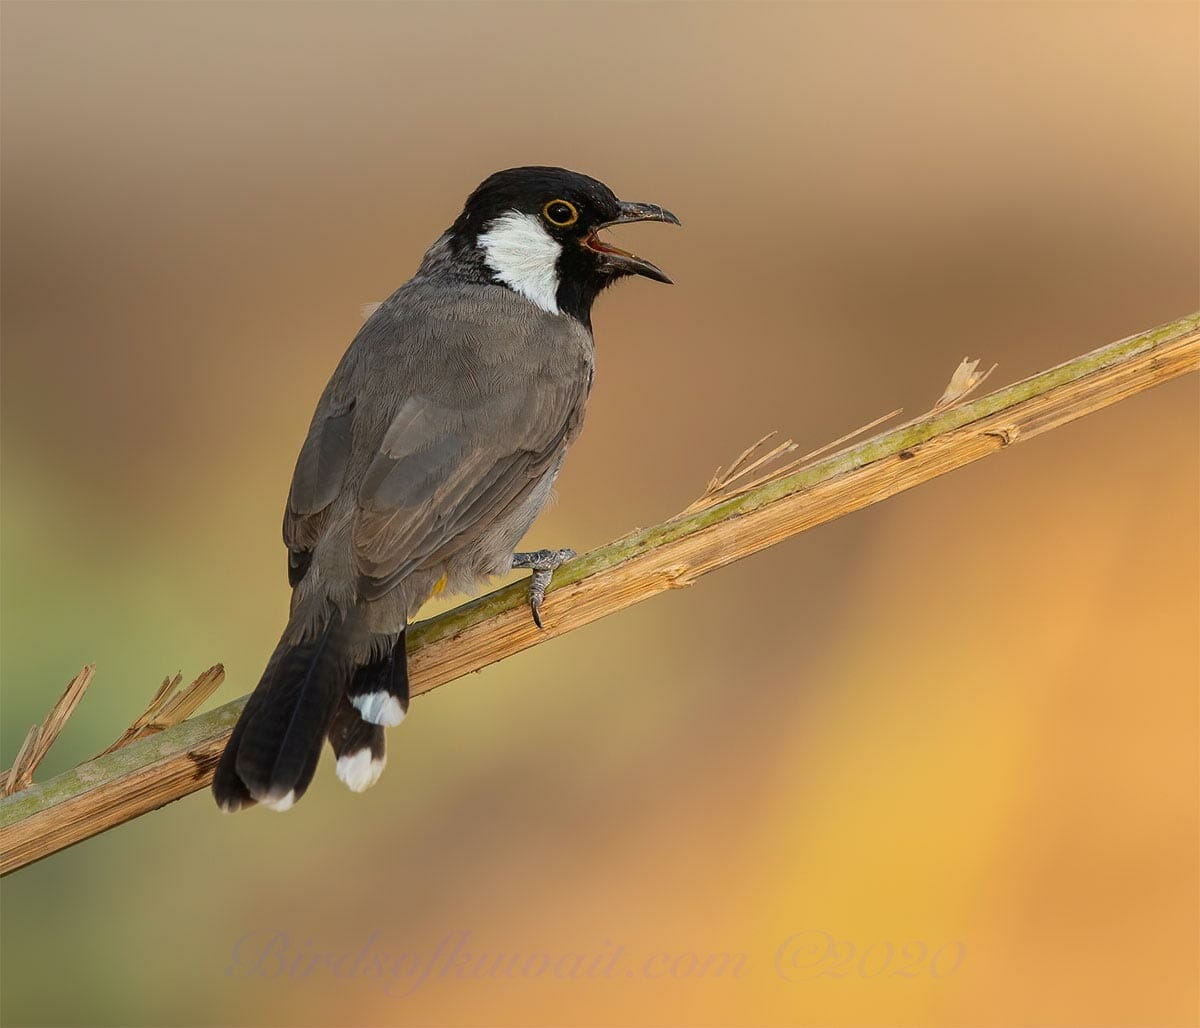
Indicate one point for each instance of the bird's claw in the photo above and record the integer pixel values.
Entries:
(543, 563)
(537, 593)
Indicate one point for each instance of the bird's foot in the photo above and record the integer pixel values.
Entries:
(543, 563)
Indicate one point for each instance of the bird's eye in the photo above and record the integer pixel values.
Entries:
(560, 213)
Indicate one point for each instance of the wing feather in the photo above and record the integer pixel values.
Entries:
(430, 494)
(318, 478)
(448, 409)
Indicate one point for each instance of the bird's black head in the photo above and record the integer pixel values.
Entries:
(536, 231)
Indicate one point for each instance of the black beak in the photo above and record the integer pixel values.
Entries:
(643, 212)
(622, 260)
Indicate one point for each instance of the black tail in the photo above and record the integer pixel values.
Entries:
(378, 688)
(379, 691)
(358, 745)
(275, 746)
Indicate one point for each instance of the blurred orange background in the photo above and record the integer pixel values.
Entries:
(960, 723)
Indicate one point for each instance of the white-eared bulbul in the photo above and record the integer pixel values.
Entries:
(432, 450)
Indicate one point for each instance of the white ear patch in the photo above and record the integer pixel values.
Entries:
(524, 257)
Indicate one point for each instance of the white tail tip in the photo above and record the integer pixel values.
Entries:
(279, 803)
(360, 770)
(379, 708)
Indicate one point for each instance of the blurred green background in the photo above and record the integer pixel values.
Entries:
(966, 715)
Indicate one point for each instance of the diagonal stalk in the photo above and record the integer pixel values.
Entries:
(125, 784)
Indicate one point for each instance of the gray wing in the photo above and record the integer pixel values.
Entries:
(318, 479)
(443, 476)
(434, 444)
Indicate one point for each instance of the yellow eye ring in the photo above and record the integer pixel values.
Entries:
(560, 213)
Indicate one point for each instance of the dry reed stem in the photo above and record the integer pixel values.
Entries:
(962, 383)
(721, 487)
(163, 711)
(146, 774)
(41, 737)
(166, 709)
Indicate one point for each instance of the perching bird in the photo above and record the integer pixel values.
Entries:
(432, 450)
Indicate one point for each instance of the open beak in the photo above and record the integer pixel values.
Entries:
(623, 260)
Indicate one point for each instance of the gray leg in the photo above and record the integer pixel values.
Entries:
(543, 563)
